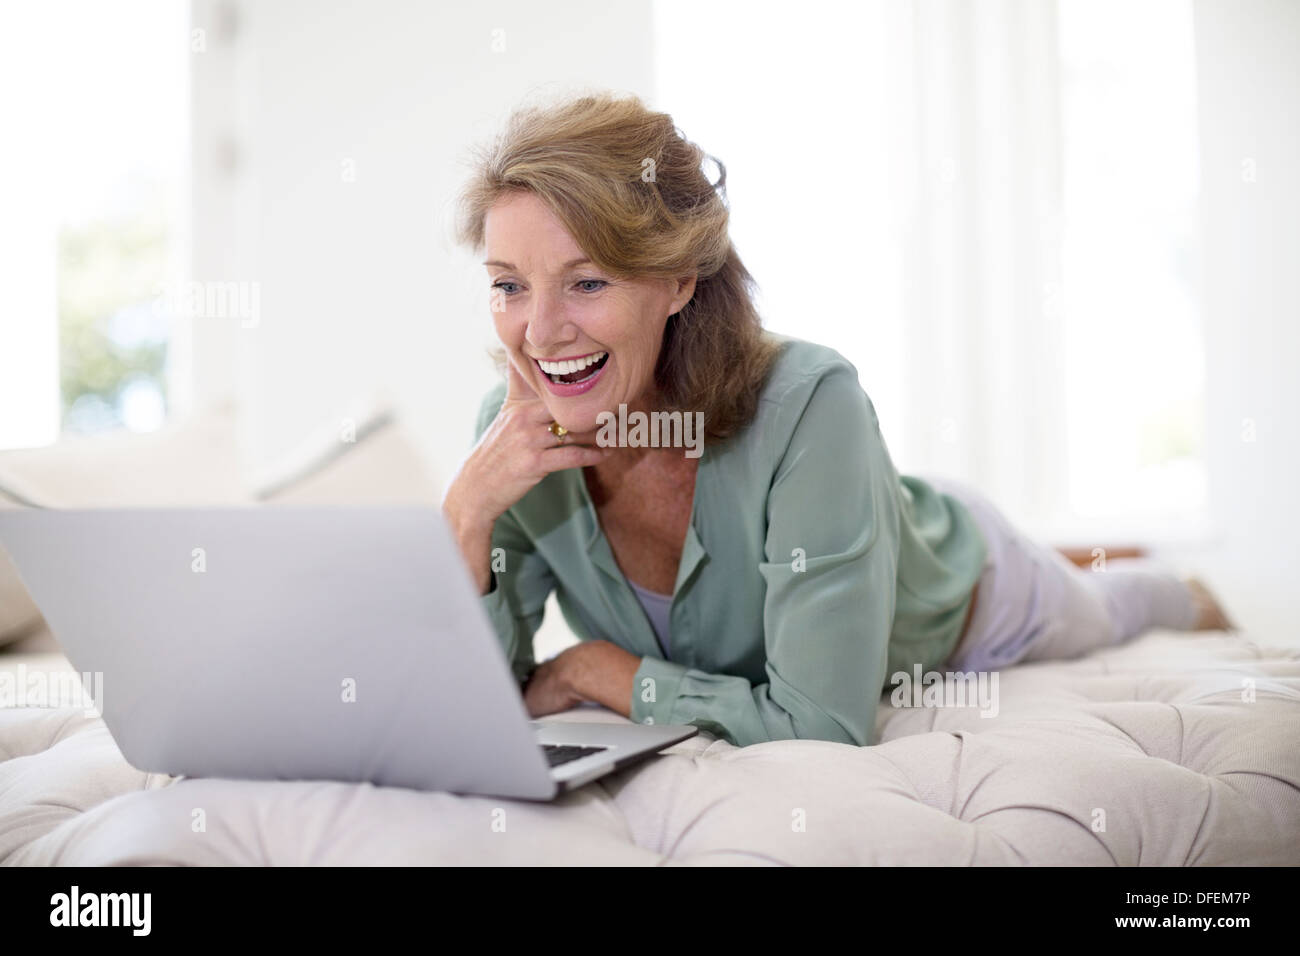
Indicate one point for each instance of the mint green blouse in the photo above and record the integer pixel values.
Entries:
(811, 569)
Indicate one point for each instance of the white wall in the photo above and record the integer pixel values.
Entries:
(362, 289)
(1249, 86)
(348, 123)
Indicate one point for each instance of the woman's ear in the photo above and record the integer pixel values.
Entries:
(685, 289)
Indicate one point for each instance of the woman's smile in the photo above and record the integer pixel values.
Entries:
(573, 375)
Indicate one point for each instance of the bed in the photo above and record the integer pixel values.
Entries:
(1172, 750)
(1175, 749)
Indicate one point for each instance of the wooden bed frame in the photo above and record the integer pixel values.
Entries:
(1083, 557)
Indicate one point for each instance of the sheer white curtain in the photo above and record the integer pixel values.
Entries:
(983, 316)
(894, 174)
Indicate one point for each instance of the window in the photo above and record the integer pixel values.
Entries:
(1134, 344)
(894, 186)
(96, 97)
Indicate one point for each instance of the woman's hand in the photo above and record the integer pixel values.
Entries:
(598, 671)
(513, 454)
(548, 691)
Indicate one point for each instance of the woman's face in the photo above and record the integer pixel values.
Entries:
(550, 305)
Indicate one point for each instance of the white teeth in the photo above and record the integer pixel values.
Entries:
(570, 365)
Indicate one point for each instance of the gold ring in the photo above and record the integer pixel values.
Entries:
(559, 431)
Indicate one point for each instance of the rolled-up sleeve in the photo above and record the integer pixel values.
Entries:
(830, 571)
(516, 602)
(521, 579)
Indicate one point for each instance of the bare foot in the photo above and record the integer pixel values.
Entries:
(1210, 615)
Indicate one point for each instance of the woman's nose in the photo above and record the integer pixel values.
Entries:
(546, 322)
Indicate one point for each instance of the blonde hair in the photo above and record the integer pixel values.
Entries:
(630, 189)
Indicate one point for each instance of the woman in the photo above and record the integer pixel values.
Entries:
(766, 588)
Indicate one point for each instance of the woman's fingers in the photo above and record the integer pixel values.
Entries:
(514, 453)
(536, 416)
(517, 386)
(571, 456)
(571, 438)
(545, 692)
(519, 449)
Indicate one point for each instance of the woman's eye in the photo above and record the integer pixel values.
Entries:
(586, 285)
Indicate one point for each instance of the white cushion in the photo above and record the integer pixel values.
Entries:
(366, 458)
(1157, 734)
(190, 463)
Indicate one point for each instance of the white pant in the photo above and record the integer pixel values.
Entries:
(1035, 604)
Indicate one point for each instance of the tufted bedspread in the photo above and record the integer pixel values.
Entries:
(1174, 749)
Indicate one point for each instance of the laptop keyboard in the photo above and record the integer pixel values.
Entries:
(557, 754)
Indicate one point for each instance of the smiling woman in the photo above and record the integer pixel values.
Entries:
(797, 567)
(571, 331)
(661, 229)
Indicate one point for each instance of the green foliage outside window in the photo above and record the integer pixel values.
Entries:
(112, 334)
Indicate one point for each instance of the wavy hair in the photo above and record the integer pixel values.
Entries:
(632, 191)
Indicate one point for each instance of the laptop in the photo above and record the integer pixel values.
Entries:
(301, 643)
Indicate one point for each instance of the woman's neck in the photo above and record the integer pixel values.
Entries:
(639, 470)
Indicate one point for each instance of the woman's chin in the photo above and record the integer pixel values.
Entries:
(580, 413)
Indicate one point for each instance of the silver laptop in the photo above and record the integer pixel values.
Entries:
(290, 643)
